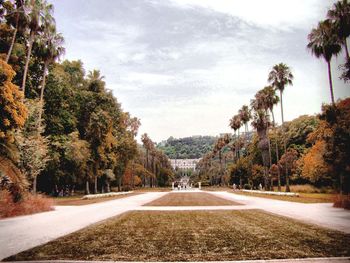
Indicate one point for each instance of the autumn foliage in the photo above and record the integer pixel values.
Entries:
(30, 204)
(13, 112)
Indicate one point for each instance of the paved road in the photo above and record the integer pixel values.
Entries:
(322, 214)
(24, 232)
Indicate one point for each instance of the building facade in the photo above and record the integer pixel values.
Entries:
(184, 164)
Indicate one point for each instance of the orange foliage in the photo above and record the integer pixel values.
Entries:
(313, 164)
(30, 204)
(127, 178)
(13, 112)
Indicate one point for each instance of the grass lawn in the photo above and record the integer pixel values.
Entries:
(302, 198)
(190, 199)
(76, 200)
(194, 236)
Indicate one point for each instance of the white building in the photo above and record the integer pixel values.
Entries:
(184, 164)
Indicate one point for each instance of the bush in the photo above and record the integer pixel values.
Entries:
(342, 201)
(29, 204)
(247, 187)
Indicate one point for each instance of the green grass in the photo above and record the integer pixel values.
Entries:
(302, 198)
(194, 236)
(190, 199)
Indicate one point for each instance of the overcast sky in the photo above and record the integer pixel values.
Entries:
(185, 67)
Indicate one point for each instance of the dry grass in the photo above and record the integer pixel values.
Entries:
(76, 200)
(302, 198)
(194, 236)
(190, 199)
(153, 189)
(30, 204)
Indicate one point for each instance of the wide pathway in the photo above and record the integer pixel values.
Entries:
(24, 232)
(322, 214)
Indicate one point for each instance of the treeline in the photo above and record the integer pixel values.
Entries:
(187, 148)
(60, 129)
(309, 149)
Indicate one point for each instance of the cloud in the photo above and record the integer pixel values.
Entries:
(186, 66)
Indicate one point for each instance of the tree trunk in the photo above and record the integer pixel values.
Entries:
(34, 184)
(41, 101)
(12, 43)
(31, 40)
(108, 188)
(95, 184)
(287, 182)
(330, 81)
(87, 188)
(346, 49)
(283, 135)
(277, 154)
(119, 183)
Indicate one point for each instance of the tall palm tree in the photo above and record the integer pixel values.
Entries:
(324, 43)
(15, 15)
(51, 49)
(271, 99)
(261, 122)
(340, 16)
(40, 13)
(236, 124)
(280, 76)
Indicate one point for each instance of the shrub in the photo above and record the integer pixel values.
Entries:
(247, 187)
(342, 201)
(29, 204)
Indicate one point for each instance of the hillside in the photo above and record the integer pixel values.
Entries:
(187, 148)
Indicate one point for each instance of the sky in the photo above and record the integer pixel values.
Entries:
(185, 67)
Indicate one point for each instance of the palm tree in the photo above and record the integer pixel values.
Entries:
(261, 123)
(17, 12)
(279, 77)
(324, 43)
(51, 49)
(340, 16)
(236, 124)
(271, 99)
(40, 13)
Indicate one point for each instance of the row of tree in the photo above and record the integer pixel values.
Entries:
(60, 129)
(268, 153)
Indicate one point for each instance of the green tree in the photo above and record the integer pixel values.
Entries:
(50, 44)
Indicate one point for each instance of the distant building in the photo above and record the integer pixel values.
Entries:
(184, 164)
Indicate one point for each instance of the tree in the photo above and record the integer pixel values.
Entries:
(51, 48)
(236, 124)
(337, 138)
(270, 100)
(32, 145)
(340, 16)
(78, 153)
(288, 163)
(15, 17)
(323, 42)
(40, 14)
(280, 76)
(261, 123)
(13, 112)
(312, 164)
